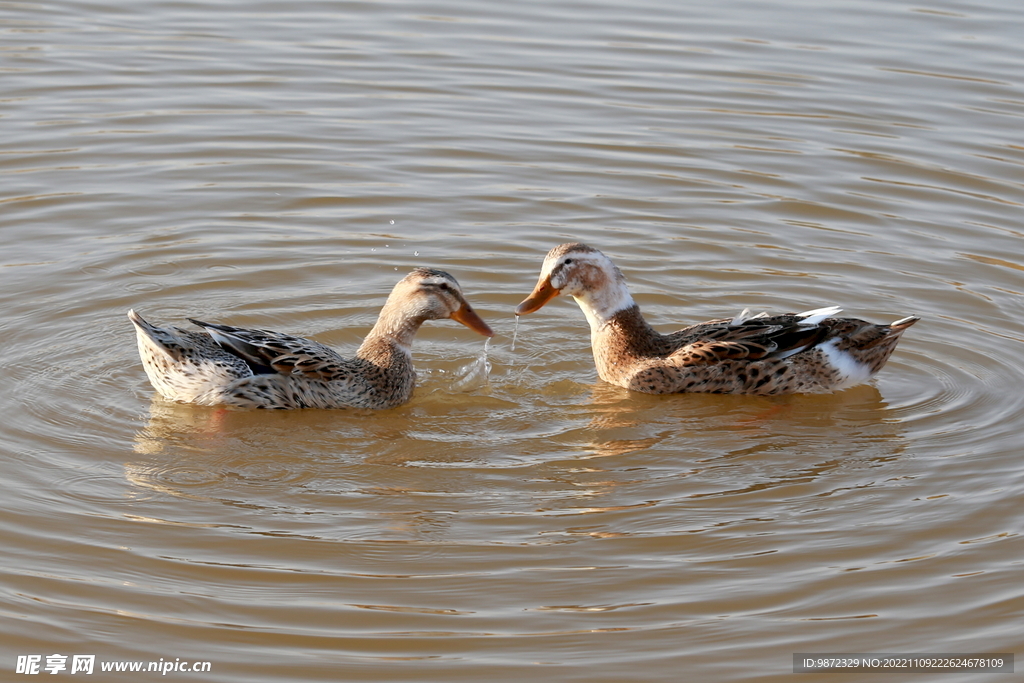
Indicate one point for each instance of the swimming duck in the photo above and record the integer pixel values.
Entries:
(809, 352)
(225, 365)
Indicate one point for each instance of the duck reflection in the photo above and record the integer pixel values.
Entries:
(644, 451)
(224, 454)
(439, 469)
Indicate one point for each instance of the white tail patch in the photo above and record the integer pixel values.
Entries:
(851, 371)
(745, 315)
(817, 315)
(222, 338)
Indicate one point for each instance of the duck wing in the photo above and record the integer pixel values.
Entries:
(268, 352)
(752, 337)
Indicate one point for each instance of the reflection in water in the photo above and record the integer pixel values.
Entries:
(169, 422)
(220, 454)
(722, 446)
(616, 451)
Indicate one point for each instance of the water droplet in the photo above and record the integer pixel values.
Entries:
(473, 375)
(392, 222)
(416, 253)
(515, 333)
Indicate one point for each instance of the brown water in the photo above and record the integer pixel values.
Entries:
(283, 164)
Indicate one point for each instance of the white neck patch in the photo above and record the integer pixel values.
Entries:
(597, 286)
(600, 306)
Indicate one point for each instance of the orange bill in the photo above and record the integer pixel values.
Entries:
(468, 317)
(540, 295)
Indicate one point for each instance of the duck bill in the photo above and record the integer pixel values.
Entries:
(468, 317)
(540, 295)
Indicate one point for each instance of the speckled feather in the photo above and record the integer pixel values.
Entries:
(248, 368)
(810, 352)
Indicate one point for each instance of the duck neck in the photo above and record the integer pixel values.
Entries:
(621, 341)
(601, 305)
(393, 328)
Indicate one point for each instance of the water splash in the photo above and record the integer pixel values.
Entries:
(515, 333)
(473, 375)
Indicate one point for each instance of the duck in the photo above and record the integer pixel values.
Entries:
(813, 352)
(251, 368)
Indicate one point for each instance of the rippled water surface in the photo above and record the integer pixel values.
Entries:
(282, 165)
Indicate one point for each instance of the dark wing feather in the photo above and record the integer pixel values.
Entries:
(755, 339)
(269, 352)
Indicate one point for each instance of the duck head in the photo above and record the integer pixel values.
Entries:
(432, 294)
(583, 273)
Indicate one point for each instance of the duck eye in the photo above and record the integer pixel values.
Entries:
(567, 261)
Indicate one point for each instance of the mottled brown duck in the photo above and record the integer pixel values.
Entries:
(224, 365)
(810, 352)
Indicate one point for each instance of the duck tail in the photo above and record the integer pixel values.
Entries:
(156, 338)
(817, 315)
(903, 323)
